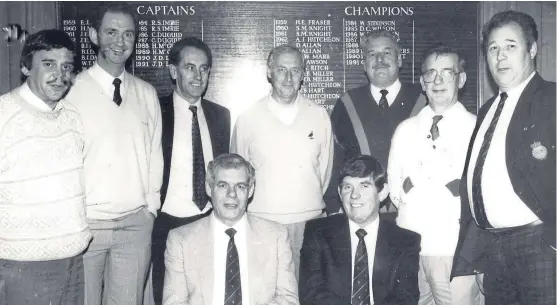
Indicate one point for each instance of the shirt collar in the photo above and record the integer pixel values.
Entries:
(33, 100)
(517, 91)
(220, 228)
(178, 99)
(104, 78)
(371, 228)
(428, 112)
(393, 89)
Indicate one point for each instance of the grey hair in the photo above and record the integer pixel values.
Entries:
(376, 34)
(229, 161)
(277, 51)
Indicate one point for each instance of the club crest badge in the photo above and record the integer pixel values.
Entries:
(538, 151)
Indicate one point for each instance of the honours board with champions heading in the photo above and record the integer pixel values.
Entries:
(241, 35)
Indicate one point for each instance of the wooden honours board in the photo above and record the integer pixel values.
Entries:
(241, 34)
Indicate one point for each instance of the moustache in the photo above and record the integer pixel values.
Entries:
(381, 65)
(61, 82)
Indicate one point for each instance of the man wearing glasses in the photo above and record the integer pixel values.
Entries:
(426, 161)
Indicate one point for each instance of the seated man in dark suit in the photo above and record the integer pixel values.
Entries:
(355, 258)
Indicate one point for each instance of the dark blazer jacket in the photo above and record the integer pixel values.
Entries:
(218, 121)
(326, 264)
(533, 178)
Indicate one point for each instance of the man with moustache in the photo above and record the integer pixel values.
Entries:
(43, 230)
(230, 257)
(123, 162)
(356, 258)
(365, 118)
(194, 131)
(508, 189)
(288, 140)
(425, 166)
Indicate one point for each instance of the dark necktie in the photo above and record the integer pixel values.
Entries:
(360, 284)
(233, 281)
(434, 128)
(477, 198)
(383, 103)
(199, 195)
(117, 98)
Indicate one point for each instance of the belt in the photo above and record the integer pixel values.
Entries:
(505, 231)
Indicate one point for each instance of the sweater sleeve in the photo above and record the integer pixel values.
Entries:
(156, 159)
(238, 144)
(326, 155)
(394, 170)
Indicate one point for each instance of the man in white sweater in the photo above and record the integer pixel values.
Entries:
(426, 161)
(123, 162)
(43, 230)
(288, 140)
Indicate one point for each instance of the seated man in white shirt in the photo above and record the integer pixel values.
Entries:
(426, 160)
(356, 258)
(229, 257)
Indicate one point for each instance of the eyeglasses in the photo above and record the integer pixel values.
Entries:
(448, 76)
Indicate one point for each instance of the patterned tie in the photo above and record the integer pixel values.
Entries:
(199, 195)
(360, 284)
(477, 198)
(383, 103)
(434, 129)
(233, 281)
(117, 98)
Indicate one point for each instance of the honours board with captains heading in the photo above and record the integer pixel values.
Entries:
(241, 35)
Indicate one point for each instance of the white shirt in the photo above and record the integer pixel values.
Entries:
(502, 205)
(370, 240)
(220, 250)
(285, 113)
(393, 89)
(178, 201)
(33, 99)
(105, 80)
(429, 208)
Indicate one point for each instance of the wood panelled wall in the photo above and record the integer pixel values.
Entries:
(31, 16)
(34, 16)
(544, 15)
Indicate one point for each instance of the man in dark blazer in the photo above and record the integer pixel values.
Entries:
(508, 190)
(194, 131)
(355, 258)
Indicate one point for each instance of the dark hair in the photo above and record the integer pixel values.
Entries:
(174, 56)
(524, 21)
(44, 40)
(364, 166)
(444, 50)
(228, 161)
(112, 7)
(277, 51)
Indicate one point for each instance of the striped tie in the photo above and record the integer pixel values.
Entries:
(477, 198)
(233, 282)
(360, 285)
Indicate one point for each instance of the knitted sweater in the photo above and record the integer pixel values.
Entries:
(123, 163)
(292, 162)
(42, 212)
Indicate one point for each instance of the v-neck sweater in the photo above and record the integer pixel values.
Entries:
(292, 162)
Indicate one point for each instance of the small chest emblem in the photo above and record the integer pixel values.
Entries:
(538, 151)
(310, 135)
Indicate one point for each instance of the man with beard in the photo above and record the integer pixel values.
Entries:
(43, 230)
(123, 162)
(364, 119)
(194, 131)
(288, 139)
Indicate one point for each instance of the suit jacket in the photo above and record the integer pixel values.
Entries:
(533, 179)
(189, 264)
(326, 264)
(218, 122)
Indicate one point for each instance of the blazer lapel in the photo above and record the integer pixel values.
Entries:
(212, 126)
(167, 114)
(341, 244)
(257, 250)
(204, 245)
(382, 264)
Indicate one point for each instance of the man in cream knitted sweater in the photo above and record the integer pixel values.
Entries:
(43, 230)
